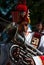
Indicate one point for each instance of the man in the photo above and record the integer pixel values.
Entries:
(41, 46)
(39, 30)
(23, 24)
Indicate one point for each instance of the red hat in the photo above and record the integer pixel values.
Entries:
(21, 7)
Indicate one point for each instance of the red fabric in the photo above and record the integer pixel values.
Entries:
(42, 57)
(37, 35)
(15, 16)
(21, 7)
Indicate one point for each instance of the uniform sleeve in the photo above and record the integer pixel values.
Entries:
(37, 60)
(41, 46)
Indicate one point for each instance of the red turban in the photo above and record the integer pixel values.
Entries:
(21, 7)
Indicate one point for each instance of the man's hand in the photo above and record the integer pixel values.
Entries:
(30, 61)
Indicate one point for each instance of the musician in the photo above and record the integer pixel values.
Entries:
(37, 38)
(24, 20)
(41, 46)
(39, 29)
(23, 28)
(23, 25)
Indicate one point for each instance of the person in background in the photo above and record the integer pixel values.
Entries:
(39, 27)
(39, 30)
(41, 46)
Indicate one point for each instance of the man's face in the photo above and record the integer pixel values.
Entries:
(25, 26)
(28, 14)
(39, 26)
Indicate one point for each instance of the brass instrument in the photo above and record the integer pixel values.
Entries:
(27, 52)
